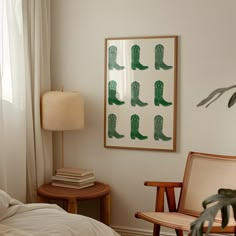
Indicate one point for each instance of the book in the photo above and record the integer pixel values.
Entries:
(73, 172)
(72, 186)
(71, 177)
(73, 180)
(73, 183)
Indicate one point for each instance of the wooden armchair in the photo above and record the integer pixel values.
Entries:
(204, 175)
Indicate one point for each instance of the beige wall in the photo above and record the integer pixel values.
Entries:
(207, 57)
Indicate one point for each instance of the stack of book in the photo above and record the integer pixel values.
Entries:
(73, 178)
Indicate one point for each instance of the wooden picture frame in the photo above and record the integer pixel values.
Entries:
(141, 93)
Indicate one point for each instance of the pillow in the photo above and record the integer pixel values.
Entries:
(6, 200)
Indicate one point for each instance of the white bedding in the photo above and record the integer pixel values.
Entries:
(18, 219)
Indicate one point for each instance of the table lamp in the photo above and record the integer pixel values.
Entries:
(62, 111)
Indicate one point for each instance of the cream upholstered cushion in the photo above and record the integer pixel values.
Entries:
(175, 220)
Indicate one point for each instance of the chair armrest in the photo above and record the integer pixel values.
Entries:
(163, 188)
(163, 184)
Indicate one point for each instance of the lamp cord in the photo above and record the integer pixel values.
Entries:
(62, 149)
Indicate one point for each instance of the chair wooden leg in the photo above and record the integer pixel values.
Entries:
(179, 232)
(156, 230)
(159, 208)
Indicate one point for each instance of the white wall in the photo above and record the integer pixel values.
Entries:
(207, 57)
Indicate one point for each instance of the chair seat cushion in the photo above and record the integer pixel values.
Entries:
(175, 220)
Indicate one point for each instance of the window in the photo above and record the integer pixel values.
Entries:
(5, 68)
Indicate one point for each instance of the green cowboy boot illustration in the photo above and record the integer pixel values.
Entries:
(135, 95)
(134, 133)
(159, 56)
(158, 127)
(112, 127)
(112, 93)
(135, 56)
(159, 87)
(112, 59)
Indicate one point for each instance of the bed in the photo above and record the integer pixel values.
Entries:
(36, 219)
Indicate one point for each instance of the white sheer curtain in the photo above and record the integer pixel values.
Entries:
(25, 149)
(37, 56)
(12, 116)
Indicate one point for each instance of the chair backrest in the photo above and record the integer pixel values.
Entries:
(204, 175)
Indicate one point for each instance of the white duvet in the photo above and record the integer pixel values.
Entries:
(18, 219)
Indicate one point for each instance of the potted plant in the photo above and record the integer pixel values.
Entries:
(222, 201)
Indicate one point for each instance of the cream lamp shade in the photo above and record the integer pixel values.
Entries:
(62, 110)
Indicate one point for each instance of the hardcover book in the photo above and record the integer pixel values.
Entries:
(73, 180)
(73, 171)
(72, 186)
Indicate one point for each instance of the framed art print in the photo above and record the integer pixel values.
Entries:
(141, 93)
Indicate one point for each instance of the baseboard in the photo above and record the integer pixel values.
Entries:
(125, 231)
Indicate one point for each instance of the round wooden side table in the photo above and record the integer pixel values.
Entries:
(72, 196)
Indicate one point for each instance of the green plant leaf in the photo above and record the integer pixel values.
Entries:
(225, 213)
(222, 202)
(212, 199)
(234, 210)
(227, 191)
(210, 97)
(211, 219)
(214, 95)
(232, 100)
